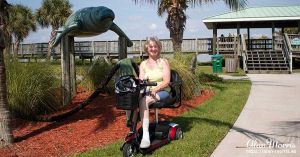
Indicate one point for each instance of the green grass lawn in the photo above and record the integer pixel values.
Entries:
(208, 69)
(296, 70)
(204, 127)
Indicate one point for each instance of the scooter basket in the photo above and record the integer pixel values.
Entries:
(127, 101)
(127, 93)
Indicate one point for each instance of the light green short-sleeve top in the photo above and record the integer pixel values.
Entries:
(155, 74)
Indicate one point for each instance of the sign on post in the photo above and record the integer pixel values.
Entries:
(295, 41)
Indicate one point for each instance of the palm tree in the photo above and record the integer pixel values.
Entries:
(176, 18)
(6, 136)
(53, 13)
(20, 23)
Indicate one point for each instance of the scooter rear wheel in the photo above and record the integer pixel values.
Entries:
(129, 150)
(179, 134)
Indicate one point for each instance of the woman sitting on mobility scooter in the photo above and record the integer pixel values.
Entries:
(155, 69)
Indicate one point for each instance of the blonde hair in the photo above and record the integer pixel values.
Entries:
(152, 39)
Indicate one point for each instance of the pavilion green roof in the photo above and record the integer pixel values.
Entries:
(279, 13)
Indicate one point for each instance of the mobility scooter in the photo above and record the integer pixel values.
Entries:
(128, 92)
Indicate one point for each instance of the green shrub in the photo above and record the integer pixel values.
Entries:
(31, 89)
(204, 77)
(204, 63)
(181, 64)
(94, 74)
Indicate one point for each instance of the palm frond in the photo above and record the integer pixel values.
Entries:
(53, 13)
(21, 21)
(232, 4)
(236, 4)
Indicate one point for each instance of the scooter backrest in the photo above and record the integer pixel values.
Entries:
(176, 85)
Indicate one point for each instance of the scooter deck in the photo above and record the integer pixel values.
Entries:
(154, 145)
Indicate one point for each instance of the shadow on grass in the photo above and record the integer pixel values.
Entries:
(187, 124)
(216, 86)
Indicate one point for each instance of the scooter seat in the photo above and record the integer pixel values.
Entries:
(167, 103)
(175, 94)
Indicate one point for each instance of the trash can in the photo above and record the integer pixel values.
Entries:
(217, 63)
(231, 65)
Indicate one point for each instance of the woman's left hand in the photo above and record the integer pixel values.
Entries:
(153, 93)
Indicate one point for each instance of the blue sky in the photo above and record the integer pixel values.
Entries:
(140, 21)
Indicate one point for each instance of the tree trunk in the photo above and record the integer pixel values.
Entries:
(176, 41)
(16, 48)
(176, 23)
(193, 64)
(6, 136)
(52, 38)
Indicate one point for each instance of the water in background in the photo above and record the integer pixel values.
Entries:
(203, 58)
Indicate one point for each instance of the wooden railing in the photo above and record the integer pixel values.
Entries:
(89, 49)
(260, 44)
(287, 50)
(294, 43)
(110, 48)
(227, 45)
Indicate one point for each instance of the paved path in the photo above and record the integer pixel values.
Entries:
(228, 77)
(269, 125)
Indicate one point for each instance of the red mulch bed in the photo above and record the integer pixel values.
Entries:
(98, 124)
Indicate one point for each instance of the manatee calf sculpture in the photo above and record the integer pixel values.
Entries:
(90, 21)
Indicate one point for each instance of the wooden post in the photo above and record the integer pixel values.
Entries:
(298, 27)
(237, 41)
(248, 33)
(214, 41)
(122, 48)
(72, 65)
(141, 48)
(273, 36)
(238, 29)
(196, 46)
(107, 49)
(93, 48)
(68, 69)
(21, 47)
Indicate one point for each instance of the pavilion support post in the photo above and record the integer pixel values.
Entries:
(68, 69)
(214, 40)
(273, 36)
(238, 30)
(122, 48)
(238, 48)
(298, 27)
(248, 34)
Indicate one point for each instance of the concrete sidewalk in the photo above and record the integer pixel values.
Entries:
(228, 77)
(269, 125)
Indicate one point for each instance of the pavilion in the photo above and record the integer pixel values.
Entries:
(260, 17)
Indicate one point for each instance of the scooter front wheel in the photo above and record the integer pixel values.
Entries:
(129, 150)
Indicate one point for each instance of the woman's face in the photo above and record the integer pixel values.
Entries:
(153, 49)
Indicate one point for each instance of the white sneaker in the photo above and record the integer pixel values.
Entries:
(145, 143)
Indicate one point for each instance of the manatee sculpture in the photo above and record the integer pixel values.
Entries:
(90, 21)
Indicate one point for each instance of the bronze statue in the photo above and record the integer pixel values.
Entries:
(90, 21)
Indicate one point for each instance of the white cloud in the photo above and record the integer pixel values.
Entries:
(135, 18)
(193, 30)
(153, 26)
(257, 36)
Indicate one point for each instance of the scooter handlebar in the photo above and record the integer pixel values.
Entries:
(145, 83)
(151, 84)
